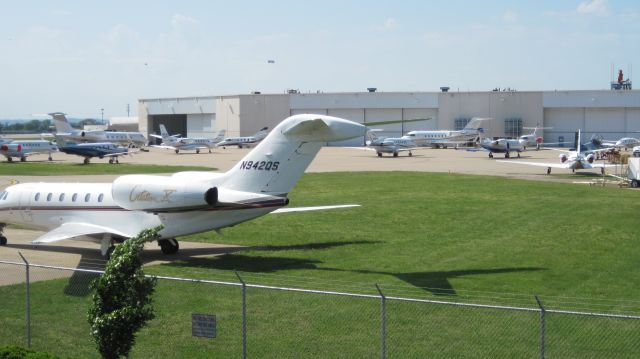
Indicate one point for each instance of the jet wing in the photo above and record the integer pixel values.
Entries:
(166, 147)
(539, 164)
(72, 230)
(116, 154)
(316, 208)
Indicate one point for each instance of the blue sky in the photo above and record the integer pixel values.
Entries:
(80, 56)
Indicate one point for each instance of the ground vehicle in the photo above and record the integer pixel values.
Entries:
(633, 172)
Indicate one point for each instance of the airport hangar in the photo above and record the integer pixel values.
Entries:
(610, 113)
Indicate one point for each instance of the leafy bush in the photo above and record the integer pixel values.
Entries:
(14, 352)
(122, 302)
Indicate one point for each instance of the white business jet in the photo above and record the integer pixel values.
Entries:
(63, 128)
(177, 143)
(442, 138)
(580, 159)
(244, 141)
(25, 148)
(184, 203)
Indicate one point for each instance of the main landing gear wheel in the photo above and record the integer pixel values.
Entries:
(634, 184)
(518, 154)
(86, 161)
(23, 159)
(548, 170)
(3, 241)
(177, 151)
(507, 155)
(110, 161)
(410, 154)
(9, 159)
(490, 155)
(395, 154)
(169, 246)
(197, 151)
(379, 154)
(50, 158)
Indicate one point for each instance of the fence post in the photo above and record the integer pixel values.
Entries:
(383, 322)
(28, 301)
(244, 316)
(542, 326)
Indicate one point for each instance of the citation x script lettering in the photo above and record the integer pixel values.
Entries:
(185, 202)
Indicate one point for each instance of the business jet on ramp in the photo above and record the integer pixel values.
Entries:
(177, 143)
(184, 203)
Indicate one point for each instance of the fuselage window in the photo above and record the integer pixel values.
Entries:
(87, 197)
(61, 198)
(37, 198)
(49, 197)
(74, 197)
(100, 197)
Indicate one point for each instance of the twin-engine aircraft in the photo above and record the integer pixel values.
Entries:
(177, 143)
(244, 141)
(184, 203)
(580, 159)
(26, 148)
(63, 128)
(392, 145)
(91, 150)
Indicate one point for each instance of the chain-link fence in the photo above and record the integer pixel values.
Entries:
(45, 307)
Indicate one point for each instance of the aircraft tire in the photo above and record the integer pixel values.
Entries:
(634, 184)
(197, 151)
(518, 154)
(379, 154)
(9, 159)
(50, 158)
(601, 170)
(110, 161)
(177, 151)
(86, 161)
(169, 246)
(506, 155)
(548, 170)
(3, 241)
(395, 154)
(410, 154)
(490, 155)
(23, 159)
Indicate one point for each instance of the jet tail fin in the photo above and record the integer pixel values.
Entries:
(61, 123)
(275, 164)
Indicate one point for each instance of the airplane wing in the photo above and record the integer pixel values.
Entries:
(166, 147)
(539, 164)
(116, 154)
(72, 230)
(316, 208)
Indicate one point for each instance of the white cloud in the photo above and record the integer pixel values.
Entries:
(510, 16)
(178, 21)
(596, 7)
(390, 23)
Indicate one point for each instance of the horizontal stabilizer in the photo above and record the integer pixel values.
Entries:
(72, 230)
(316, 208)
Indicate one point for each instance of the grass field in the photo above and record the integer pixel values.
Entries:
(437, 236)
(66, 169)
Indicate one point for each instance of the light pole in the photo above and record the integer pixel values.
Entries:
(102, 116)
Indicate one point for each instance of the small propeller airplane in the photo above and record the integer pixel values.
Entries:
(393, 145)
(185, 202)
(177, 143)
(90, 150)
(580, 159)
(502, 145)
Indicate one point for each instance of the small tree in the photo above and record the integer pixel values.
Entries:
(122, 302)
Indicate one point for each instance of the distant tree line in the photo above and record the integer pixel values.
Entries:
(40, 126)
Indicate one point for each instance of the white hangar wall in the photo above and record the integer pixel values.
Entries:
(612, 114)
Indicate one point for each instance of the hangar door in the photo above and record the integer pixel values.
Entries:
(175, 124)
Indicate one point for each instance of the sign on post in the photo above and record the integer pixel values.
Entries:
(203, 325)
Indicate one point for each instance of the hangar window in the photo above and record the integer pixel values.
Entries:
(513, 127)
(461, 122)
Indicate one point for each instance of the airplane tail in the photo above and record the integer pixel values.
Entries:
(262, 133)
(274, 166)
(164, 133)
(61, 123)
(220, 136)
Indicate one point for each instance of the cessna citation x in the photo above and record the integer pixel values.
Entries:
(184, 203)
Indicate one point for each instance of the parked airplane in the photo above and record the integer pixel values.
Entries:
(184, 203)
(63, 128)
(90, 150)
(625, 143)
(244, 141)
(389, 144)
(580, 159)
(442, 138)
(532, 139)
(502, 145)
(178, 143)
(26, 148)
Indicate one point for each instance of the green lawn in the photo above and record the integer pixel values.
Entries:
(18, 168)
(434, 236)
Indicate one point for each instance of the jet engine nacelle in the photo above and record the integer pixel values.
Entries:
(563, 158)
(590, 158)
(11, 148)
(161, 194)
